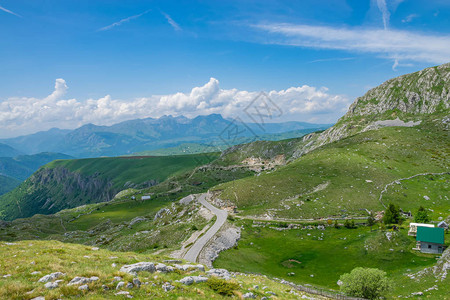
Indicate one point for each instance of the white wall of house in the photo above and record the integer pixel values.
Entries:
(431, 248)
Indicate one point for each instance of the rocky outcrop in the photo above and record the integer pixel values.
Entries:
(226, 239)
(401, 101)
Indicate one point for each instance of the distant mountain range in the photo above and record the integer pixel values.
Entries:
(149, 134)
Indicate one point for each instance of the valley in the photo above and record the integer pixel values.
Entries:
(290, 212)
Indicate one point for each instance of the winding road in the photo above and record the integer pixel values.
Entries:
(222, 215)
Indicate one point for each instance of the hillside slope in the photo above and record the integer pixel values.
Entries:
(70, 183)
(345, 169)
(8, 151)
(7, 184)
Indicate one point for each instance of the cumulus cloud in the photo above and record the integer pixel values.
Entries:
(393, 44)
(27, 115)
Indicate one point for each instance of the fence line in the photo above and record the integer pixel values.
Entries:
(319, 292)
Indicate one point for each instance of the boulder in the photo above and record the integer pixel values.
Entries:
(187, 280)
(51, 285)
(249, 295)
(51, 277)
(84, 287)
(138, 267)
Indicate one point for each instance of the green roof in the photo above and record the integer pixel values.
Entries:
(430, 234)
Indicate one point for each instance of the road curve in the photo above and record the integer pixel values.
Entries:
(222, 215)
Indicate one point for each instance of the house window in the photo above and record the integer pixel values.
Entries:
(429, 246)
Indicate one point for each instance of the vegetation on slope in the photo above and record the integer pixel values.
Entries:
(345, 177)
(7, 184)
(304, 255)
(25, 268)
(70, 183)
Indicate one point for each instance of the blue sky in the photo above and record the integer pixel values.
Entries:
(178, 54)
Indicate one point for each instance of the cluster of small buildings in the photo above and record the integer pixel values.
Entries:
(429, 239)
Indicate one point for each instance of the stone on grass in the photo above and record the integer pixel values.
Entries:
(249, 295)
(136, 282)
(120, 285)
(129, 285)
(83, 287)
(51, 285)
(187, 280)
(138, 267)
(51, 277)
(39, 298)
(167, 287)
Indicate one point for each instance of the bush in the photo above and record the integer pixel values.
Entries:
(365, 282)
(222, 286)
(421, 216)
(392, 215)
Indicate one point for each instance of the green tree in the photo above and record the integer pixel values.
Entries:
(392, 215)
(422, 216)
(365, 282)
(371, 221)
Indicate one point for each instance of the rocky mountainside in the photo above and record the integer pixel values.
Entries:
(402, 101)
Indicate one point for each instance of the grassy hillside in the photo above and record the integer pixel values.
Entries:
(71, 183)
(347, 176)
(319, 257)
(7, 184)
(76, 260)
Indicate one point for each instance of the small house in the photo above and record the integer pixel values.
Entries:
(443, 225)
(145, 198)
(430, 239)
(413, 228)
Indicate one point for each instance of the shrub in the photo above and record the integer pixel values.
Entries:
(421, 216)
(392, 215)
(222, 286)
(365, 282)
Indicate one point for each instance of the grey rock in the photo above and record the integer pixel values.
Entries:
(137, 267)
(249, 295)
(84, 287)
(136, 282)
(167, 287)
(120, 285)
(51, 285)
(51, 277)
(187, 280)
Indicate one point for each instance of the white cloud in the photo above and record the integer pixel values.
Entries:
(27, 115)
(393, 44)
(172, 22)
(409, 18)
(10, 12)
(384, 12)
(122, 21)
(397, 64)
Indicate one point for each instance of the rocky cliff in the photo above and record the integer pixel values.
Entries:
(51, 189)
(402, 101)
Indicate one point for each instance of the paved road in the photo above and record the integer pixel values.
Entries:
(222, 215)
